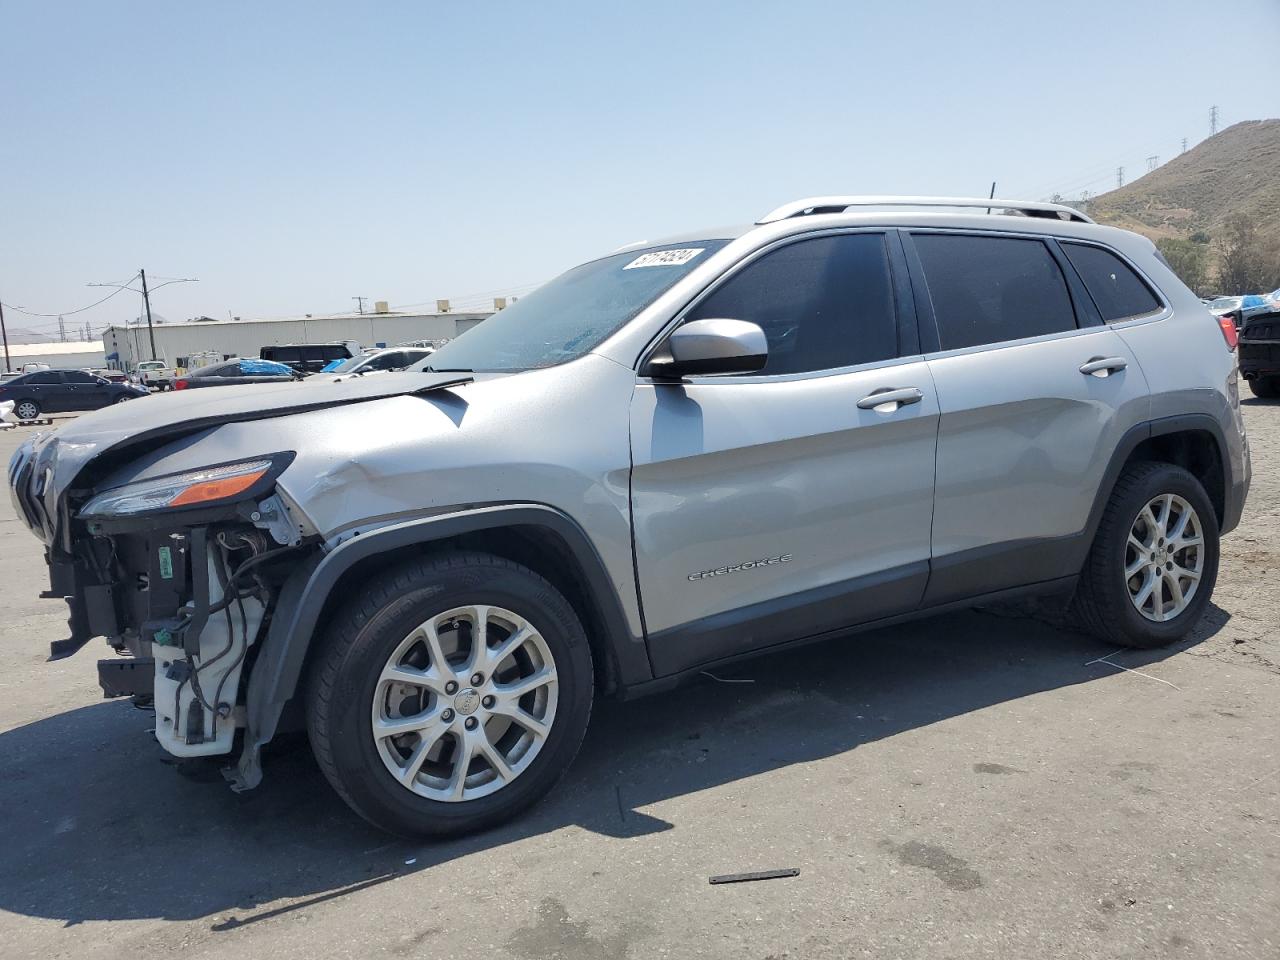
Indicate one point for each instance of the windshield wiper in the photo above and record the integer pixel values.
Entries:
(429, 369)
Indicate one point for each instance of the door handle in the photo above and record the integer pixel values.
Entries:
(888, 395)
(1103, 366)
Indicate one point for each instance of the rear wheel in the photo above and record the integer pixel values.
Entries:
(1154, 560)
(1265, 388)
(27, 410)
(450, 694)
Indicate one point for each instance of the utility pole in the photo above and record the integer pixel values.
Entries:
(1119, 176)
(62, 330)
(1153, 161)
(5, 335)
(360, 301)
(146, 299)
(1213, 120)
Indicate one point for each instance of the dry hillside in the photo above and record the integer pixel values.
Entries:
(1236, 171)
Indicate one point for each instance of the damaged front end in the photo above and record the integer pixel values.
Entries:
(179, 574)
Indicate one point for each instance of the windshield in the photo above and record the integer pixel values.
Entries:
(572, 314)
(345, 366)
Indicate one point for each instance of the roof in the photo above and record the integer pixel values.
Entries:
(189, 324)
(57, 348)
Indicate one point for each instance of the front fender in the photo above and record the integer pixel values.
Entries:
(278, 668)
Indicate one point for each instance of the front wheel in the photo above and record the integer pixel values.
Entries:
(122, 398)
(450, 694)
(1154, 560)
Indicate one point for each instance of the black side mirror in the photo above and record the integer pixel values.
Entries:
(711, 346)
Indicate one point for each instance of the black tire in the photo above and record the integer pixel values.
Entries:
(1265, 388)
(122, 398)
(344, 670)
(26, 410)
(1102, 604)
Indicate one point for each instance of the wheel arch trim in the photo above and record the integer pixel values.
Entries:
(278, 669)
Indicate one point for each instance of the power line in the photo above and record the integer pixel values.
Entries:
(67, 313)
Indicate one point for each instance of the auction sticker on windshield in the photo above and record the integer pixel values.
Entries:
(665, 258)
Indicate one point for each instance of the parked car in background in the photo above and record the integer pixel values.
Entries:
(154, 373)
(113, 376)
(310, 357)
(237, 370)
(392, 358)
(1240, 309)
(1260, 354)
(62, 391)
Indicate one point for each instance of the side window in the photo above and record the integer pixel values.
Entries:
(993, 289)
(1117, 291)
(44, 378)
(822, 303)
(78, 376)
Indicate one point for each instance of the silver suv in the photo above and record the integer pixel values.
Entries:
(854, 411)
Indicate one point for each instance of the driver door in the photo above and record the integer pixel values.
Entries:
(786, 503)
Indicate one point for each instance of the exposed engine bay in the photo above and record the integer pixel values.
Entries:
(189, 601)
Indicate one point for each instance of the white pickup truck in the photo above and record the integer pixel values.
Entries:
(155, 373)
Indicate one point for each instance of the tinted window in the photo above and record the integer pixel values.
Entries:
(47, 376)
(992, 289)
(283, 354)
(822, 303)
(333, 351)
(78, 376)
(1117, 291)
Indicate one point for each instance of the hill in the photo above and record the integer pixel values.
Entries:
(1236, 171)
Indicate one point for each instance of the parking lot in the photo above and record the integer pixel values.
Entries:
(984, 784)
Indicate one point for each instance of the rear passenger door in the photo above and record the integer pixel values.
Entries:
(782, 504)
(1034, 393)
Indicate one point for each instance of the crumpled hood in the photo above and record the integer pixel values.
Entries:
(53, 460)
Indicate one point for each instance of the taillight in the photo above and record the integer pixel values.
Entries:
(180, 384)
(1228, 328)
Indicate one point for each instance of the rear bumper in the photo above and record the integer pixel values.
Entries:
(1259, 358)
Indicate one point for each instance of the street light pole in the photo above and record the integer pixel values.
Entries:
(146, 299)
(5, 334)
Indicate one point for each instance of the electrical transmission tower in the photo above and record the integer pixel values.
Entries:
(62, 330)
(1119, 176)
(1153, 161)
(1213, 120)
(1184, 144)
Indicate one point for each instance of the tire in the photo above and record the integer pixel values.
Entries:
(26, 410)
(346, 689)
(1106, 601)
(122, 398)
(1265, 388)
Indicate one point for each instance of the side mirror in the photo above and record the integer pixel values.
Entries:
(707, 347)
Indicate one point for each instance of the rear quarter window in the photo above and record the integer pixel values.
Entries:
(1117, 291)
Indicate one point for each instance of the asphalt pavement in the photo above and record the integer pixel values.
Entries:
(985, 784)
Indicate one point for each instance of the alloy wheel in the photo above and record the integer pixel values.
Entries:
(1164, 557)
(465, 703)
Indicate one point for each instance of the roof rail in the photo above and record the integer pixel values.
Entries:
(1030, 208)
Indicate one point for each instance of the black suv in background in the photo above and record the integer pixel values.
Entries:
(1260, 354)
(61, 391)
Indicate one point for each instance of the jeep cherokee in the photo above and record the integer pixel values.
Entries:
(854, 411)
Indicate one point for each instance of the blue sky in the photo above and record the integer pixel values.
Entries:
(293, 155)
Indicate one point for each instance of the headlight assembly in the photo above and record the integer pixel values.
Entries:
(207, 486)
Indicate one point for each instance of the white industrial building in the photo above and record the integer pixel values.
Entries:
(124, 346)
(76, 354)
